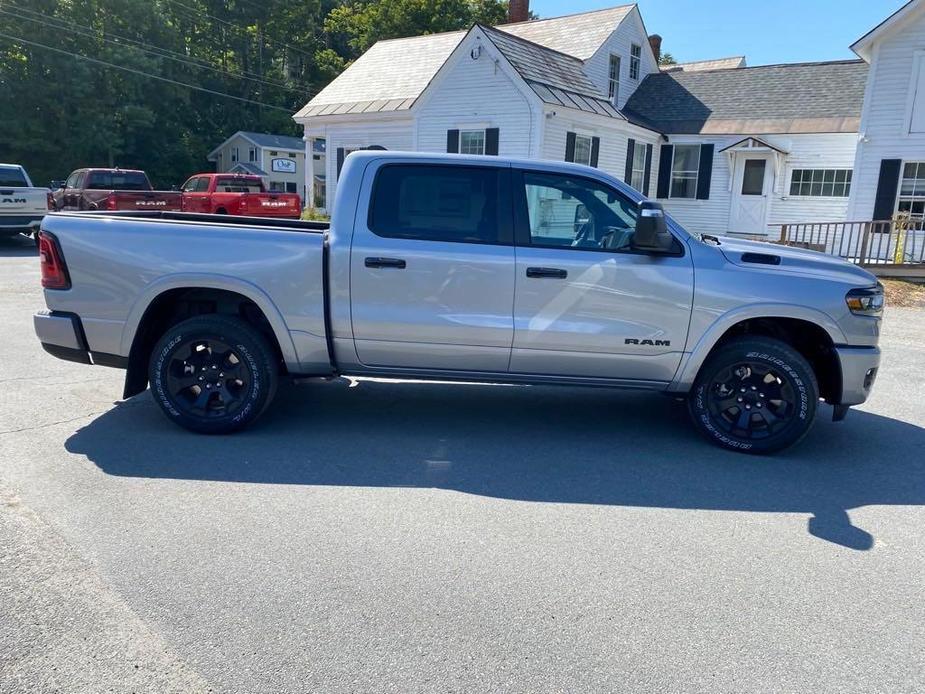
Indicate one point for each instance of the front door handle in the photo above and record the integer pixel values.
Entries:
(553, 272)
(397, 263)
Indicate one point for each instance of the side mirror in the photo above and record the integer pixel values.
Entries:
(651, 229)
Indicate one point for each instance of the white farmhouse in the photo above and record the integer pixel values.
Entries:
(889, 168)
(727, 148)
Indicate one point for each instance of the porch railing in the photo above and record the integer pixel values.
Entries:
(890, 242)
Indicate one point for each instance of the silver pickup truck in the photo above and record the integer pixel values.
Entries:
(466, 268)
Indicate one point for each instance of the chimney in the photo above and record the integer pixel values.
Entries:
(518, 11)
(656, 42)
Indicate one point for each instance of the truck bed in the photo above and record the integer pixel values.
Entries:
(120, 262)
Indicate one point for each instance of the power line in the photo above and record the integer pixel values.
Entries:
(142, 73)
(147, 47)
(90, 33)
(190, 8)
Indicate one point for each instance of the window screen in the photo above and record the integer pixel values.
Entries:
(458, 204)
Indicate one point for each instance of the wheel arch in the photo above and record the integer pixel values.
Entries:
(173, 299)
(812, 333)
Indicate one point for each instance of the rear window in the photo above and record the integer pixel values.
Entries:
(12, 177)
(237, 185)
(117, 180)
(436, 203)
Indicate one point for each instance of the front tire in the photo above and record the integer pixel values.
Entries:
(755, 395)
(213, 374)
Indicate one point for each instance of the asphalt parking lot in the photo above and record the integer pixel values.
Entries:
(382, 537)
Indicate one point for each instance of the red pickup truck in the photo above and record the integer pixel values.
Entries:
(238, 195)
(113, 189)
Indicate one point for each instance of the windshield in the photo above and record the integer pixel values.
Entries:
(12, 177)
(117, 180)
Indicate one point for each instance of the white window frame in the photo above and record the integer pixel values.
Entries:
(821, 169)
(584, 138)
(613, 78)
(916, 196)
(635, 60)
(235, 155)
(472, 132)
(638, 170)
(685, 173)
(252, 155)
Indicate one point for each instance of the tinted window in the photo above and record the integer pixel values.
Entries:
(574, 212)
(230, 184)
(72, 180)
(437, 203)
(12, 177)
(117, 180)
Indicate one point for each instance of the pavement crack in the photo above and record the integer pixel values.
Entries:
(52, 424)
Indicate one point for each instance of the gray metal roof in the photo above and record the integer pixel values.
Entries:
(579, 35)
(249, 168)
(796, 98)
(392, 74)
(277, 141)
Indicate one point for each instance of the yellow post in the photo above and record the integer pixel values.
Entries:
(901, 224)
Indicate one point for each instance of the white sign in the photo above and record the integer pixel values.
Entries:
(283, 165)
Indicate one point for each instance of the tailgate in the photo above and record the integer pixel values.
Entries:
(20, 200)
(146, 200)
(269, 204)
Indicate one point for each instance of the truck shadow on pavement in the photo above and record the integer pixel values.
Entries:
(538, 444)
(17, 247)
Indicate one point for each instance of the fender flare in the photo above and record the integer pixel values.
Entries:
(210, 281)
(697, 355)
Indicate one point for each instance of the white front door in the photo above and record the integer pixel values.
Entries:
(750, 192)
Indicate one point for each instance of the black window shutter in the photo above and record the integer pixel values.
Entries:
(569, 146)
(885, 202)
(630, 152)
(648, 174)
(340, 160)
(705, 173)
(665, 157)
(491, 141)
(595, 150)
(452, 141)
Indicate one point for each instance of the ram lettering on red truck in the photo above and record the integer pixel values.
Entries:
(458, 267)
(22, 205)
(236, 194)
(113, 190)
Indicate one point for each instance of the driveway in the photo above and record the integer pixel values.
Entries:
(379, 537)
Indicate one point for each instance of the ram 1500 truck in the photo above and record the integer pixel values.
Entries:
(113, 189)
(238, 194)
(466, 268)
(22, 205)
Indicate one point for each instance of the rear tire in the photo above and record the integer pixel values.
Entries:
(213, 374)
(754, 395)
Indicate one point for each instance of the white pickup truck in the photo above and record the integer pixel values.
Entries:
(466, 268)
(22, 205)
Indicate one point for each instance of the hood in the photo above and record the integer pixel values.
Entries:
(761, 255)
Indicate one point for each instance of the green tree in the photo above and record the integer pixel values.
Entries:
(667, 59)
(357, 25)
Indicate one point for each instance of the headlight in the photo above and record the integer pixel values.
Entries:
(866, 302)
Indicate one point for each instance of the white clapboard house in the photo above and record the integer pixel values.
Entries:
(726, 147)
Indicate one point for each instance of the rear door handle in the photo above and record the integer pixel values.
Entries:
(553, 272)
(397, 263)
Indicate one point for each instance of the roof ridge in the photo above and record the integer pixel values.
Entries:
(421, 36)
(844, 61)
(566, 16)
(704, 60)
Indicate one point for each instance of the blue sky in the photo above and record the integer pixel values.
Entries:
(765, 31)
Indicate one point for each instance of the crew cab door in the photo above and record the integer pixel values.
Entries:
(195, 196)
(432, 267)
(586, 303)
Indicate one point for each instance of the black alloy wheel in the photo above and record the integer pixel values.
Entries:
(213, 374)
(756, 395)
